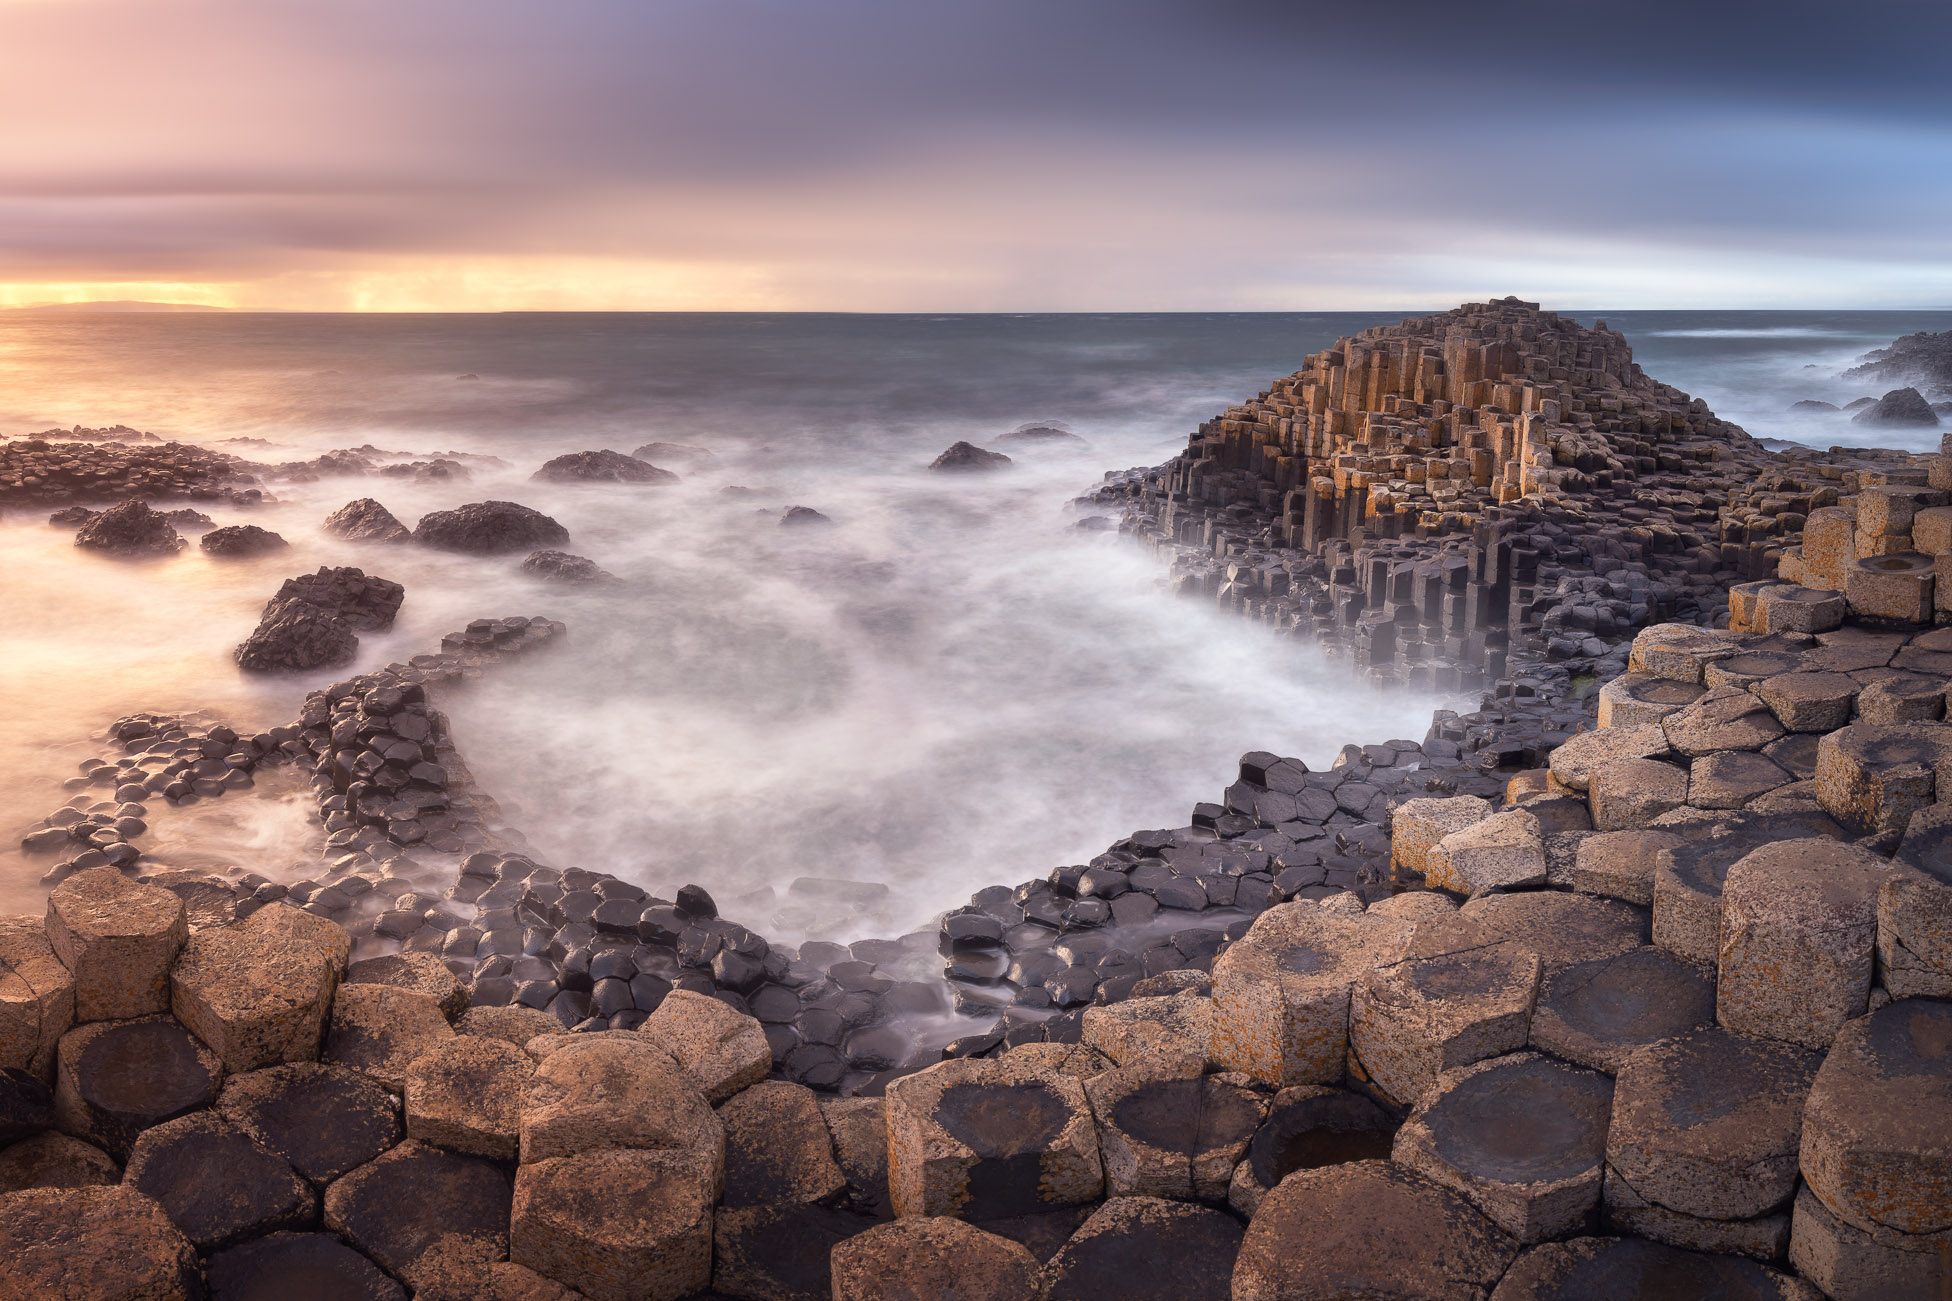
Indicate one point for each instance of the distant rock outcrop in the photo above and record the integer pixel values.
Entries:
(1921, 359)
(680, 452)
(800, 516)
(1811, 404)
(968, 456)
(1039, 434)
(131, 529)
(561, 567)
(238, 540)
(489, 527)
(601, 467)
(365, 520)
(1901, 406)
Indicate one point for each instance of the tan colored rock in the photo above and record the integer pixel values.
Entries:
(465, 1094)
(1751, 668)
(55, 1161)
(1630, 793)
(114, 1079)
(1853, 1264)
(1161, 1036)
(328, 935)
(1368, 1229)
(1903, 698)
(1688, 877)
(1677, 650)
(932, 1257)
(381, 1030)
(1171, 1137)
(93, 1244)
(1308, 1126)
(1620, 864)
(1563, 928)
(859, 1127)
(1640, 699)
(1727, 718)
(617, 1225)
(777, 1147)
(37, 997)
(722, 1048)
(619, 1092)
(986, 1139)
(1417, 825)
(1789, 608)
(1759, 1237)
(1871, 777)
(423, 973)
(513, 1024)
(1599, 1013)
(1281, 993)
(1574, 759)
(1893, 589)
(1732, 778)
(1503, 851)
(1914, 937)
(433, 1218)
(257, 995)
(118, 938)
(1798, 939)
(323, 1120)
(1810, 702)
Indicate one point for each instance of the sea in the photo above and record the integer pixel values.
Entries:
(960, 682)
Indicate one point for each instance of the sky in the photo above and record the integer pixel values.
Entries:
(984, 155)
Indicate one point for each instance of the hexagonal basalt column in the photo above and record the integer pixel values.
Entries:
(284, 1264)
(1504, 851)
(1620, 864)
(424, 1214)
(118, 938)
(1688, 877)
(1521, 1136)
(616, 1225)
(932, 1257)
(381, 1030)
(1853, 1264)
(777, 1147)
(1788, 608)
(1147, 1249)
(1306, 1127)
(1281, 994)
(720, 1047)
(1871, 777)
(1810, 702)
(216, 1183)
(324, 1120)
(1587, 1268)
(1417, 825)
(1600, 1013)
(1914, 936)
(1451, 1001)
(1892, 590)
(1641, 699)
(1678, 650)
(66, 1244)
(1732, 778)
(986, 1139)
(1574, 760)
(466, 1095)
(1727, 718)
(1630, 793)
(1798, 939)
(622, 1091)
(114, 1079)
(258, 996)
(1749, 667)
(1908, 698)
(1177, 1138)
(37, 997)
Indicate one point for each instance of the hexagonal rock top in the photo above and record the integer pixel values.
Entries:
(1677, 650)
(777, 1147)
(1798, 937)
(1368, 1228)
(1637, 699)
(82, 1244)
(423, 1213)
(617, 1225)
(55, 1161)
(423, 973)
(287, 1264)
(1574, 759)
(466, 1095)
(1521, 1136)
(1600, 1013)
(1147, 1249)
(1561, 927)
(720, 1047)
(118, 938)
(617, 1091)
(216, 1184)
(114, 1079)
(1584, 1269)
(1707, 1123)
(932, 1257)
(324, 1120)
(1419, 824)
(1688, 877)
(1727, 718)
(1166, 1035)
(1877, 1133)
(380, 1030)
(1171, 1137)
(37, 996)
(1306, 1127)
(257, 994)
(1503, 851)
(1281, 993)
(986, 1139)
(1871, 777)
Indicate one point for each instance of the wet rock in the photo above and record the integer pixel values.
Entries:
(1901, 406)
(323, 1120)
(215, 1183)
(489, 528)
(366, 602)
(380, 1030)
(1586, 1268)
(131, 529)
(297, 636)
(365, 520)
(622, 1090)
(968, 456)
(1308, 1126)
(601, 467)
(118, 938)
(290, 1266)
(778, 1253)
(55, 1161)
(984, 1139)
(722, 1049)
(466, 1095)
(801, 517)
(1600, 1013)
(561, 567)
(1521, 1136)
(256, 995)
(88, 1244)
(1368, 1228)
(1175, 1137)
(616, 1225)
(423, 973)
(932, 1257)
(422, 1213)
(37, 1001)
(114, 1079)
(1147, 1249)
(777, 1147)
(236, 541)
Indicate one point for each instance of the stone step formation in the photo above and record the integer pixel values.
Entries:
(1638, 990)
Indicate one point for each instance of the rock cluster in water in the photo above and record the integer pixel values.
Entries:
(965, 457)
(601, 467)
(1923, 359)
(131, 529)
(489, 527)
(314, 620)
(41, 471)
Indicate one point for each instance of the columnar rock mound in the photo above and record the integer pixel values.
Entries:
(235, 541)
(1915, 359)
(601, 467)
(310, 623)
(365, 520)
(37, 471)
(366, 602)
(966, 457)
(1899, 407)
(489, 527)
(131, 529)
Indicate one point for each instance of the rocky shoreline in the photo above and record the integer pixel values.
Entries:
(1632, 981)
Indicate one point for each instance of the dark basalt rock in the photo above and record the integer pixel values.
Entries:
(128, 1076)
(366, 602)
(324, 1120)
(217, 1185)
(1903, 406)
(1147, 1249)
(235, 540)
(297, 636)
(561, 567)
(1811, 404)
(673, 452)
(131, 529)
(779, 1252)
(1309, 1126)
(416, 1199)
(26, 1106)
(968, 456)
(365, 520)
(298, 1267)
(1914, 359)
(489, 527)
(800, 516)
(601, 467)
(1039, 434)
(70, 517)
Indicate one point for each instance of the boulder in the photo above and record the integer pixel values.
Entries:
(256, 995)
(721, 1048)
(380, 1030)
(794, 517)
(1146, 1249)
(679, 452)
(561, 567)
(93, 1244)
(925, 1256)
(489, 528)
(618, 1225)
(962, 457)
(114, 1079)
(1901, 407)
(422, 1213)
(119, 939)
(297, 636)
(295, 1266)
(366, 602)
(365, 520)
(215, 1183)
(131, 529)
(465, 1094)
(235, 541)
(1368, 1228)
(323, 1120)
(600, 467)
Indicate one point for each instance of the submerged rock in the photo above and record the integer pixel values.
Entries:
(1811, 404)
(601, 467)
(72, 516)
(1039, 434)
(488, 527)
(235, 540)
(968, 456)
(796, 516)
(365, 520)
(131, 529)
(674, 452)
(561, 567)
(1901, 406)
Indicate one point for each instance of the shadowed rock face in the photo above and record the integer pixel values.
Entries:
(1524, 1124)
(1318, 1130)
(365, 520)
(488, 528)
(601, 467)
(998, 1121)
(1914, 359)
(131, 529)
(1187, 1116)
(1902, 406)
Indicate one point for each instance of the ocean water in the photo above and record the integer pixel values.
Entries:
(952, 686)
